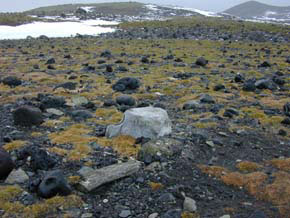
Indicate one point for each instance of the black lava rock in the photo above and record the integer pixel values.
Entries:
(219, 87)
(207, 99)
(173, 213)
(286, 121)
(11, 81)
(265, 64)
(27, 116)
(239, 78)
(6, 164)
(249, 86)
(106, 54)
(67, 85)
(286, 109)
(52, 184)
(109, 103)
(126, 83)
(125, 100)
(50, 61)
(201, 61)
(145, 60)
(50, 101)
(40, 160)
(81, 115)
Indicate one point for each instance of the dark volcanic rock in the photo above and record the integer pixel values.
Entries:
(52, 184)
(286, 109)
(125, 100)
(201, 62)
(50, 61)
(265, 64)
(50, 101)
(173, 213)
(265, 84)
(207, 99)
(11, 81)
(126, 83)
(249, 86)
(6, 164)
(239, 78)
(39, 159)
(81, 115)
(67, 85)
(27, 116)
(106, 54)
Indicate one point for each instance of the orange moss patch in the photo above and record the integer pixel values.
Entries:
(59, 151)
(216, 171)
(74, 179)
(75, 135)
(282, 164)
(156, 186)
(36, 134)
(279, 192)
(7, 194)
(14, 145)
(51, 206)
(248, 166)
(108, 116)
(189, 215)
(124, 145)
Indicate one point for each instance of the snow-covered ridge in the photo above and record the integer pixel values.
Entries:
(205, 13)
(87, 8)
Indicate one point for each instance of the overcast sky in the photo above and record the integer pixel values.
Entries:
(210, 5)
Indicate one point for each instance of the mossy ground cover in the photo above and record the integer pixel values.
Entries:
(74, 141)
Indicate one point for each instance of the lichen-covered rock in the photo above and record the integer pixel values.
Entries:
(147, 122)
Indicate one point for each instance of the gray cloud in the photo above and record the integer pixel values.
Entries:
(210, 5)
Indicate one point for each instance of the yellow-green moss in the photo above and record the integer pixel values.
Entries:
(248, 166)
(124, 145)
(75, 135)
(14, 145)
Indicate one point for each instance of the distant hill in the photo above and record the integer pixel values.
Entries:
(257, 10)
(111, 10)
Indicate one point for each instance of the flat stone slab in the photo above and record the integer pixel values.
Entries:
(108, 174)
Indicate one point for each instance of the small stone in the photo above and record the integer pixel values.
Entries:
(207, 99)
(210, 143)
(79, 100)
(258, 214)
(201, 61)
(11, 81)
(17, 176)
(166, 198)
(54, 111)
(173, 213)
(105, 201)
(153, 215)
(189, 205)
(87, 215)
(85, 171)
(225, 216)
(125, 213)
(125, 100)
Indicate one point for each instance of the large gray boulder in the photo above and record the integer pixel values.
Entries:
(147, 122)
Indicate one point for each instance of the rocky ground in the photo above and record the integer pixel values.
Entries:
(226, 156)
